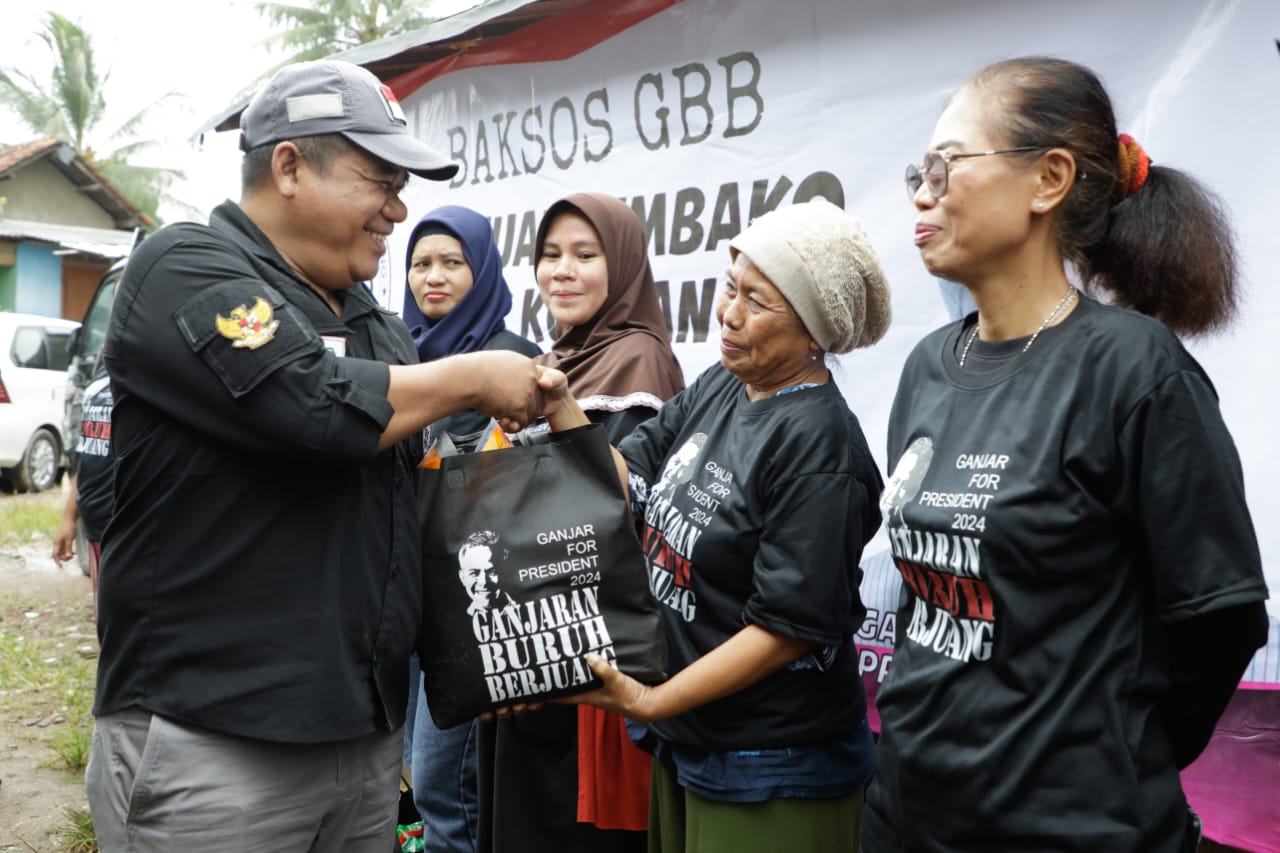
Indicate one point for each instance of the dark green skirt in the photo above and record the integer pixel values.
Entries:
(681, 821)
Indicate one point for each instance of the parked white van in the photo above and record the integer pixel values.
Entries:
(33, 386)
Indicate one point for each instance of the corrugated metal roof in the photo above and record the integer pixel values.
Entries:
(101, 242)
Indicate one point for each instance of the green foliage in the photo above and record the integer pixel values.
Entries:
(73, 102)
(331, 26)
(71, 106)
(75, 833)
(48, 659)
(71, 745)
(25, 517)
(46, 672)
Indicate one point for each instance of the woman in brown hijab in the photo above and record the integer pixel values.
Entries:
(611, 339)
(568, 778)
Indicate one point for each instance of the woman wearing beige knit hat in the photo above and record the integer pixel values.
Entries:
(820, 261)
(756, 492)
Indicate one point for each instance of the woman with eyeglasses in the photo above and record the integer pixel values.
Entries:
(1082, 582)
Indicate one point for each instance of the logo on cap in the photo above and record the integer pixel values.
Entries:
(393, 106)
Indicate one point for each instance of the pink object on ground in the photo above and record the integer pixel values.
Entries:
(1235, 783)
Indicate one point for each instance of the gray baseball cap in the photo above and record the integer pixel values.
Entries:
(331, 96)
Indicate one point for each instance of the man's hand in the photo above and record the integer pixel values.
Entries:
(64, 539)
(507, 387)
(499, 383)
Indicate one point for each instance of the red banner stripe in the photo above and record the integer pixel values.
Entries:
(557, 37)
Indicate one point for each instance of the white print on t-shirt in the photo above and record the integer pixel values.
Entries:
(907, 476)
(953, 612)
(95, 431)
(95, 420)
(670, 533)
(679, 467)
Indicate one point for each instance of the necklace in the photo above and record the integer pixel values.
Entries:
(1067, 297)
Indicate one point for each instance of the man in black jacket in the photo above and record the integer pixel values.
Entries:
(261, 580)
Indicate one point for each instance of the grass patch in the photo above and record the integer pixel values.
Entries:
(75, 831)
(48, 660)
(48, 657)
(71, 745)
(27, 517)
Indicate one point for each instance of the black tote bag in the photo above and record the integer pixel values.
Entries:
(530, 561)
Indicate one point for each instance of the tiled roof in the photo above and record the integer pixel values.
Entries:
(18, 155)
(79, 171)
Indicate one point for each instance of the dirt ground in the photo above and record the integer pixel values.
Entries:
(32, 793)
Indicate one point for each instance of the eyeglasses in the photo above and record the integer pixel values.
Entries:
(934, 170)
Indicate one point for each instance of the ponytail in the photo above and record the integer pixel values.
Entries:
(1150, 236)
(1168, 252)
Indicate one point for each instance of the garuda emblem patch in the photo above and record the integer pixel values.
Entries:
(248, 328)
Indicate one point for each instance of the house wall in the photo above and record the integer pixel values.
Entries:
(38, 284)
(8, 286)
(41, 192)
(79, 281)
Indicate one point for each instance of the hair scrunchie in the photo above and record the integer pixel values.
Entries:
(1135, 165)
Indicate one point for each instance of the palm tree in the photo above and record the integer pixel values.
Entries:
(330, 26)
(71, 107)
(74, 103)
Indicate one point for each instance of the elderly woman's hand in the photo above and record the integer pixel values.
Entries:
(621, 694)
(559, 407)
(748, 656)
(554, 384)
(563, 413)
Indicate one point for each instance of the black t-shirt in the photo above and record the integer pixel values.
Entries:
(1049, 512)
(756, 513)
(94, 467)
(261, 572)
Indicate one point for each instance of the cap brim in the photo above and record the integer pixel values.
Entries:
(403, 150)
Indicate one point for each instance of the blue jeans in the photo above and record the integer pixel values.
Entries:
(443, 763)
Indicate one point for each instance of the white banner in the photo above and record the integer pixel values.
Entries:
(713, 111)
